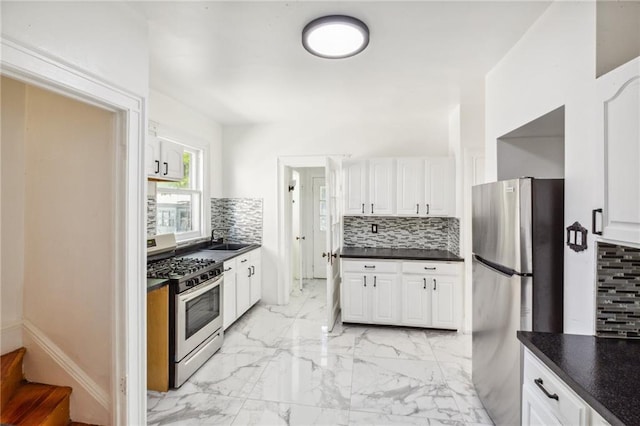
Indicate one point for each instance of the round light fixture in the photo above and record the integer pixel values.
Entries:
(335, 36)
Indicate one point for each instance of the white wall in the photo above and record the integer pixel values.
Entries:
(106, 39)
(185, 125)
(541, 157)
(13, 97)
(618, 34)
(250, 163)
(554, 65)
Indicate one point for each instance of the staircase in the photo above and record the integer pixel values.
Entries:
(24, 403)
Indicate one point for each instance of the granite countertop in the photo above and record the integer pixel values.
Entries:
(603, 371)
(399, 253)
(200, 251)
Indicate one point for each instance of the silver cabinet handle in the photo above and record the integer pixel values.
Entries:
(434, 283)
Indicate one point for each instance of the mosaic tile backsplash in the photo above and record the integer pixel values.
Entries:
(239, 220)
(403, 232)
(618, 299)
(151, 215)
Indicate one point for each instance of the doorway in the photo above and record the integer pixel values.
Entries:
(309, 230)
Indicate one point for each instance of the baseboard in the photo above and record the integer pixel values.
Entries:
(10, 337)
(68, 365)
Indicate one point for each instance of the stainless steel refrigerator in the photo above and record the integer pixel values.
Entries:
(518, 243)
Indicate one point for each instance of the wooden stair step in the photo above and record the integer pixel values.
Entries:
(11, 376)
(38, 404)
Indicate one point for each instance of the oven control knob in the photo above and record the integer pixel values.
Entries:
(190, 283)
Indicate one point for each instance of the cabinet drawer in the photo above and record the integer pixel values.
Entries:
(370, 266)
(568, 406)
(431, 268)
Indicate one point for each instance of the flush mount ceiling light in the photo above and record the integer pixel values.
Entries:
(335, 36)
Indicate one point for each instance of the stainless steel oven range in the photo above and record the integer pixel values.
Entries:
(195, 317)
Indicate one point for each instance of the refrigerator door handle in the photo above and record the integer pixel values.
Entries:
(506, 272)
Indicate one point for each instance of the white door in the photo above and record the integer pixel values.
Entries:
(355, 187)
(443, 301)
(319, 227)
(409, 182)
(334, 239)
(416, 301)
(381, 188)
(385, 289)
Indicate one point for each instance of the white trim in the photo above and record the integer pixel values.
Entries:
(28, 64)
(68, 365)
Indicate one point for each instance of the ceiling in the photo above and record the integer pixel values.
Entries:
(243, 62)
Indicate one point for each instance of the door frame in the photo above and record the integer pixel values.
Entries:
(285, 164)
(128, 375)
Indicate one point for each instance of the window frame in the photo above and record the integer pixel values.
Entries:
(197, 180)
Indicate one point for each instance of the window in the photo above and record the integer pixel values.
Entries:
(179, 204)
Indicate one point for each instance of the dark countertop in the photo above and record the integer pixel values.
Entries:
(156, 283)
(603, 371)
(399, 253)
(199, 250)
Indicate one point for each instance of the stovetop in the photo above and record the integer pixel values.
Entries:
(178, 268)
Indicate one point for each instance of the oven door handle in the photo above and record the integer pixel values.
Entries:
(197, 291)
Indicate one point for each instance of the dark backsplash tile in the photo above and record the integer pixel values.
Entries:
(618, 286)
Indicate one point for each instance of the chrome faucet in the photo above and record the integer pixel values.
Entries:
(220, 239)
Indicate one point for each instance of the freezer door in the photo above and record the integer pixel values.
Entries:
(501, 306)
(502, 223)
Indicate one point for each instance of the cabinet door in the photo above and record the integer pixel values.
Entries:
(534, 413)
(409, 187)
(256, 276)
(620, 126)
(416, 301)
(355, 187)
(152, 156)
(229, 313)
(355, 306)
(439, 186)
(444, 314)
(381, 187)
(243, 285)
(384, 298)
(172, 164)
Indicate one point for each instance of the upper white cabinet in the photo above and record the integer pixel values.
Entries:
(381, 181)
(355, 187)
(619, 109)
(425, 187)
(164, 159)
(402, 186)
(439, 186)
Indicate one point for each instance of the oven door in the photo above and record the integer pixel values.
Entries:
(198, 316)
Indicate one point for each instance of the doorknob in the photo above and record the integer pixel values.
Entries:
(300, 238)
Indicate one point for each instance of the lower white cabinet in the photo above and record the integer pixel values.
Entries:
(242, 285)
(418, 294)
(547, 400)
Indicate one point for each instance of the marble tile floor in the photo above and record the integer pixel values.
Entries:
(279, 366)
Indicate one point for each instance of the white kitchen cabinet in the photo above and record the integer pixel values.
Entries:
(356, 185)
(416, 301)
(619, 126)
(355, 306)
(439, 186)
(547, 400)
(384, 296)
(444, 301)
(164, 159)
(256, 276)
(242, 285)
(381, 187)
(409, 186)
(229, 313)
(431, 294)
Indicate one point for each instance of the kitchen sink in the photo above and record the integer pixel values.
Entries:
(229, 246)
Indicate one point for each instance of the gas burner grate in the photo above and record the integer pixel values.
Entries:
(176, 268)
